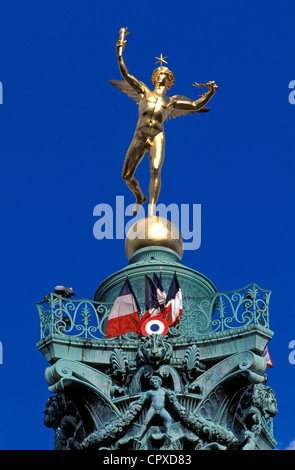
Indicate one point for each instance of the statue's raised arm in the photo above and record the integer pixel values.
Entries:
(181, 105)
(136, 84)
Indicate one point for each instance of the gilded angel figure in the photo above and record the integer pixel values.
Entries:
(155, 107)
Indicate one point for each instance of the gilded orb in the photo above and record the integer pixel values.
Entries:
(153, 231)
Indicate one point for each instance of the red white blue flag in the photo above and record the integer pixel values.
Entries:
(154, 298)
(124, 316)
(161, 294)
(155, 295)
(173, 308)
(158, 319)
(266, 356)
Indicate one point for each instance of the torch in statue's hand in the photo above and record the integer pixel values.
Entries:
(122, 34)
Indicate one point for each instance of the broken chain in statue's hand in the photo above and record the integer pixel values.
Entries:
(208, 84)
(211, 85)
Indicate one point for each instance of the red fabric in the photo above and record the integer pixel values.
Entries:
(122, 325)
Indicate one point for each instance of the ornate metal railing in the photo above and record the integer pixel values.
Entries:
(71, 317)
(219, 312)
(224, 311)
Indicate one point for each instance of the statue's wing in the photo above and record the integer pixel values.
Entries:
(175, 112)
(124, 86)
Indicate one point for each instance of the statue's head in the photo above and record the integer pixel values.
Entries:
(264, 399)
(155, 381)
(54, 411)
(163, 76)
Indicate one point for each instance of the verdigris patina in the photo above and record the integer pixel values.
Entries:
(201, 386)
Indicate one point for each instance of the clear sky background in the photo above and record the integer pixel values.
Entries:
(64, 132)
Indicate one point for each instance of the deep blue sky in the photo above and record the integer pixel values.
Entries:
(64, 132)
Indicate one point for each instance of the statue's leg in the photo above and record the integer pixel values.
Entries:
(134, 155)
(168, 420)
(147, 419)
(156, 156)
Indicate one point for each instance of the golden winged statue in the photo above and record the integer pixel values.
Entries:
(155, 107)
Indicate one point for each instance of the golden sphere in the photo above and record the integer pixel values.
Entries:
(153, 231)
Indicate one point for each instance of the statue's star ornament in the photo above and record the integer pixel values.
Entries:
(161, 59)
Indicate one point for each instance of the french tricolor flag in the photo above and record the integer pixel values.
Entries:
(124, 316)
(154, 298)
(266, 356)
(173, 308)
(155, 295)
